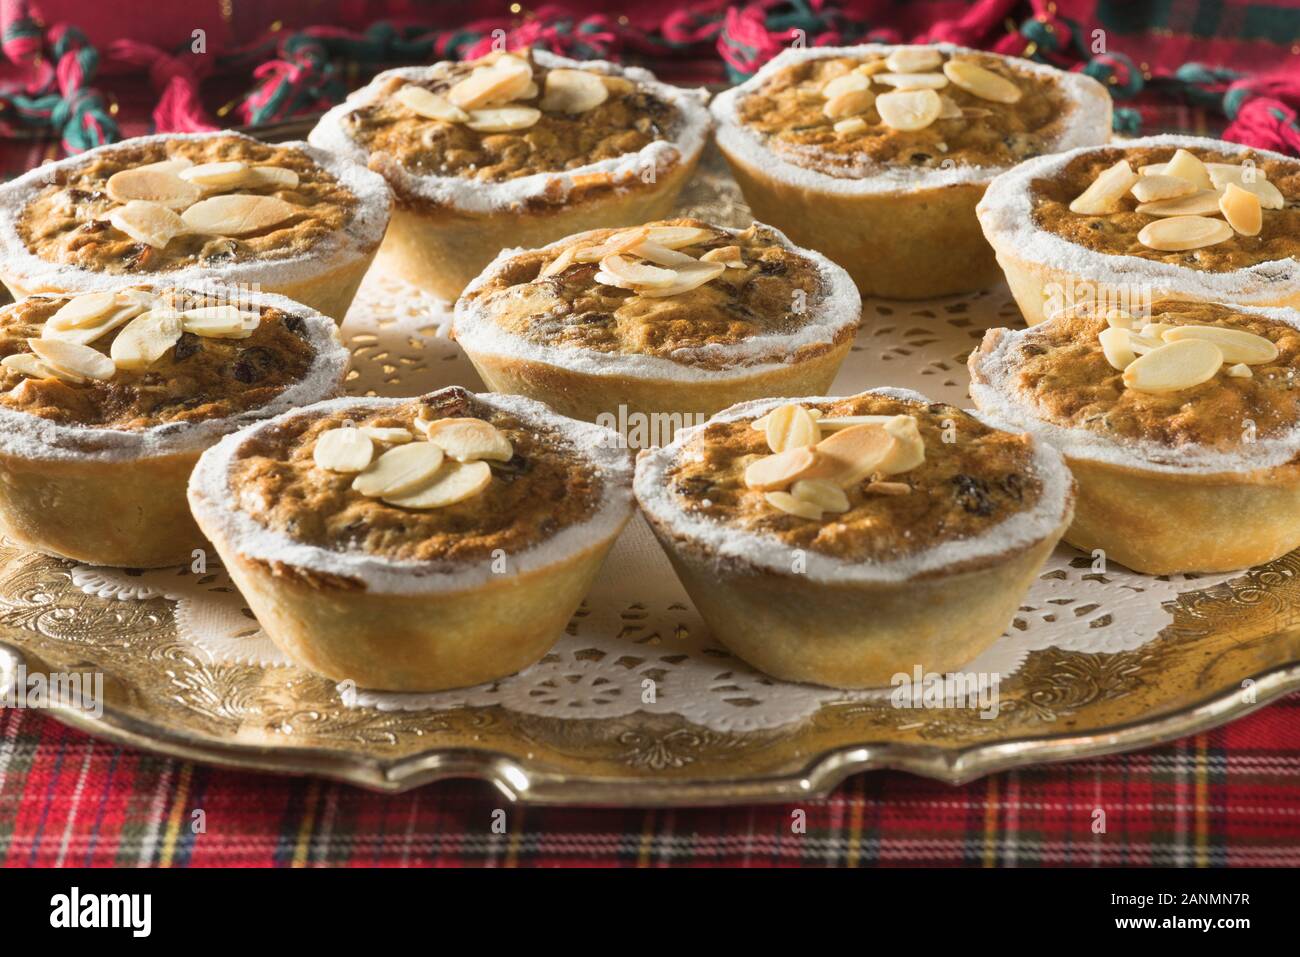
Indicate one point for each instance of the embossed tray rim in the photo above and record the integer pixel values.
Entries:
(532, 783)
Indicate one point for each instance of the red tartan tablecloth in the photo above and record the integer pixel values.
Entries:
(1228, 797)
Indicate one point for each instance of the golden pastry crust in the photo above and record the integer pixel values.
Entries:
(1061, 370)
(1117, 233)
(67, 221)
(534, 495)
(972, 479)
(628, 120)
(788, 111)
(198, 379)
(573, 310)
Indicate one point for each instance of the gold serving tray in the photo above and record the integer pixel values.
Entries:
(1227, 650)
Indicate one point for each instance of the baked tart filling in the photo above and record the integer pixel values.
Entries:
(162, 203)
(139, 358)
(680, 293)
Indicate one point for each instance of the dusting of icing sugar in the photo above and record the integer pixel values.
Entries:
(31, 437)
(836, 306)
(1086, 124)
(358, 238)
(474, 196)
(215, 503)
(1006, 214)
(1008, 407)
(728, 543)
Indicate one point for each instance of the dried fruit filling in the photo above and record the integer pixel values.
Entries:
(972, 479)
(628, 119)
(1116, 233)
(538, 492)
(767, 289)
(68, 221)
(197, 378)
(1060, 367)
(791, 111)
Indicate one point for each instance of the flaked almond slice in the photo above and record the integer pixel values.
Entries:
(73, 358)
(271, 177)
(1188, 166)
(146, 338)
(1117, 347)
(912, 81)
(173, 164)
(872, 67)
(468, 440)
(1174, 366)
(343, 450)
(1204, 202)
(85, 335)
(1184, 232)
(854, 124)
(948, 108)
(729, 256)
(909, 109)
(503, 119)
(1270, 197)
(25, 363)
(220, 175)
(638, 275)
(400, 470)
(688, 278)
(678, 237)
(848, 456)
(914, 60)
(430, 105)
(760, 424)
(217, 322)
(1153, 169)
(852, 103)
(661, 255)
(237, 214)
(1150, 189)
(85, 310)
(150, 223)
(1221, 174)
(848, 83)
(985, 84)
(454, 482)
(789, 427)
(780, 470)
(1119, 319)
(501, 82)
(908, 451)
(153, 185)
(573, 91)
(387, 434)
(1107, 189)
(559, 263)
(1155, 331)
(887, 488)
(1236, 345)
(1242, 210)
(827, 497)
(1240, 371)
(793, 506)
(605, 279)
(619, 242)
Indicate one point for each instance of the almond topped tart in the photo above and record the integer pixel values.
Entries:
(108, 398)
(514, 149)
(676, 316)
(841, 541)
(876, 155)
(1166, 215)
(415, 544)
(1183, 430)
(187, 208)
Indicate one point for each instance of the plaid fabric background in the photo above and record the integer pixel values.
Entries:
(1229, 797)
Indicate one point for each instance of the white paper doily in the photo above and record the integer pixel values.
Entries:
(637, 644)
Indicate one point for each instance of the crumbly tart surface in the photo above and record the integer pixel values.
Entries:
(559, 153)
(57, 220)
(1056, 380)
(1028, 210)
(980, 496)
(197, 388)
(770, 303)
(783, 111)
(566, 484)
